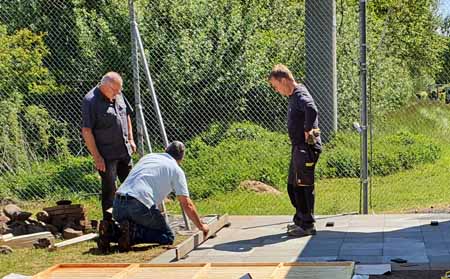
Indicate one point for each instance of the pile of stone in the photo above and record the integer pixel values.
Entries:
(64, 220)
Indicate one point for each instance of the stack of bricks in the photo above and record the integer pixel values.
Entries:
(71, 220)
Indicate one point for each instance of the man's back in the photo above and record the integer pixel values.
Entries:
(153, 178)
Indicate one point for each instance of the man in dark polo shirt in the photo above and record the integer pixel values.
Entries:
(302, 122)
(108, 134)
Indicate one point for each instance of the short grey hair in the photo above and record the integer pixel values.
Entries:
(111, 77)
(176, 150)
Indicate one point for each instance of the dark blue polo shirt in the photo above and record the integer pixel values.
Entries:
(109, 123)
(302, 115)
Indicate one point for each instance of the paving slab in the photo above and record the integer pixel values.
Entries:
(371, 239)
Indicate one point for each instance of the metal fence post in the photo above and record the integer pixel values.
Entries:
(155, 106)
(363, 76)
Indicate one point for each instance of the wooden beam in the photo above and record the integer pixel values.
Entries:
(276, 270)
(46, 273)
(75, 240)
(127, 272)
(203, 272)
(196, 239)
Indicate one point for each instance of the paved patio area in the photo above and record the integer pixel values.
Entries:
(366, 239)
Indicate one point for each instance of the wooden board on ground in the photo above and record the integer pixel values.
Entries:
(196, 239)
(335, 270)
(72, 241)
(27, 240)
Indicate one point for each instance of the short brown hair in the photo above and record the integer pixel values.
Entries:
(280, 71)
(176, 150)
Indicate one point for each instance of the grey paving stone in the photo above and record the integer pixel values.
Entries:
(389, 251)
(410, 258)
(363, 240)
(437, 252)
(404, 245)
(410, 266)
(273, 259)
(439, 259)
(363, 259)
(360, 252)
(362, 245)
(315, 259)
(319, 253)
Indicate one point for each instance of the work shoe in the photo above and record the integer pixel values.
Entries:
(292, 227)
(103, 241)
(124, 239)
(299, 231)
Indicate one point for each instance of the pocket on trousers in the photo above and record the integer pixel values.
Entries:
(304, 164)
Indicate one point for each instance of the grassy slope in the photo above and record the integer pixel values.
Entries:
(426, 185)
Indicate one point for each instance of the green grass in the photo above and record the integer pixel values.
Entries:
(423, 186)
(33, 261)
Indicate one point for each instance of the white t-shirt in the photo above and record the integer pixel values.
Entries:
(153, 178)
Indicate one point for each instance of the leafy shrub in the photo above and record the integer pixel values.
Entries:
(46, 179)
(245, 151)
(396, 152)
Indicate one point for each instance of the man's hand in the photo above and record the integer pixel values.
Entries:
(307, 135)
(100, 163)
(205, 230)
(133, 145)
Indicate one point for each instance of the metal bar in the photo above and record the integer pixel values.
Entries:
(363, 76)
(141, 128)
(157, 110)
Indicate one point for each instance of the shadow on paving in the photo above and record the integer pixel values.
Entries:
(365, 239)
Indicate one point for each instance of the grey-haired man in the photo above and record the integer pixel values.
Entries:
(108, 134)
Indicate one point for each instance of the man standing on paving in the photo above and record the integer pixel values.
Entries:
(302, 122)
(148, 184)
(108, 134)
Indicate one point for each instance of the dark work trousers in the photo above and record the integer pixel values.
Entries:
(114, 169)
(302, 197)
(150, 224)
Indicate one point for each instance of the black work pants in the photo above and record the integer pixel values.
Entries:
(302, 196)
(119, 168)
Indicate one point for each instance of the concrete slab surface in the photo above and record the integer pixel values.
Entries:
(366, 239)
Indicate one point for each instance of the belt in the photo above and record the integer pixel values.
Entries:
(125, 197)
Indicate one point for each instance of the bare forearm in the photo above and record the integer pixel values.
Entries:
(191, 212)
(90, 142)
(130, 129)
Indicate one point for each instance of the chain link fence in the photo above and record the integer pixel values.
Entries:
(209, 61)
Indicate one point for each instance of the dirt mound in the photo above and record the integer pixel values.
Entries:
(258, 187)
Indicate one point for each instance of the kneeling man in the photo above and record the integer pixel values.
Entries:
(148, 184)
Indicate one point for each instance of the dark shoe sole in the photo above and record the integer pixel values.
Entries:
(103, 242)
(124, 239)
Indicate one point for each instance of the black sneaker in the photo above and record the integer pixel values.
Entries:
(124, 239)
(103, 241)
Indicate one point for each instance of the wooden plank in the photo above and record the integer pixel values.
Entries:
(276, 270)
(196, 239)
(201, 270)
(46, 273)
(27, 240)
(6, 237)
(75, 240)
(127, 272)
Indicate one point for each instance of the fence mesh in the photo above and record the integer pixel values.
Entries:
(209, 61)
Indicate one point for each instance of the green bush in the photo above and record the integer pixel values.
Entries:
(51, 178)
(394, 153)
(245, 151)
